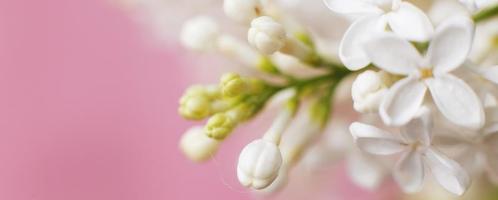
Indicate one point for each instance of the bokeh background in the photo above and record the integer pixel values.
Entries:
(88, 111)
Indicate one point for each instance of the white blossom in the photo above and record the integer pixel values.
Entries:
(452, 96)
(415, 145)
(403, 18)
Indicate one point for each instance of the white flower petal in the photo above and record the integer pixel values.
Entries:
(364, 170)
(410, 23)
(451, 44)
(352, 7)
(351, 50)
(456, 101)
(393, 54)
(447, 172)
(490, 73)
(402, 101)
(418, 130)
(409, 172)
(375, 141)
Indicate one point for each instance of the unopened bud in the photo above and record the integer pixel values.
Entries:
(232, 85)
(194, 107)
(369, 89)
(219, 126)
(266, 35)
(200, 33)
(259, 164)
(197, 146)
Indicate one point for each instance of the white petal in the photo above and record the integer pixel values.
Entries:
(364, 170)
(409, 172)
(451, 44)
(402, 101)
(418, 130)
(490, 73)
(352, 7)
(375, 141)
(393, 54)
(456, 101)
(411, 23)
(351, 50)
(447, 172)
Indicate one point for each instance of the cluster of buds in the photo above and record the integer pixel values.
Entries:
(410, 74)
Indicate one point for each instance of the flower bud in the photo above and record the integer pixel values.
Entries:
(219, 126)
(368, 90)
(242, 11)
(266, 35)
(232, 85)
(195, 104)
(197, 146)
(259, 164)
(200, 33)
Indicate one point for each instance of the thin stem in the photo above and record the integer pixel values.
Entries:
(486, 14)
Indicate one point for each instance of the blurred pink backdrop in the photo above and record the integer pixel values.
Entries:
(88, 111)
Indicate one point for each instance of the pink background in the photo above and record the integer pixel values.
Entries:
(88, 110)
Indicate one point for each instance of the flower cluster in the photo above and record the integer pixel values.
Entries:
(426, 102)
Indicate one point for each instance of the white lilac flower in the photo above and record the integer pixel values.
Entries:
(447, 51)
(477, 151)
(197, 146)
(403, 18)
(369, 89)
(415, 144)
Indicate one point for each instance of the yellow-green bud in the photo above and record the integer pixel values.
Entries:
(194, 107)
(195, 104)
(232, 85)
(219, 126)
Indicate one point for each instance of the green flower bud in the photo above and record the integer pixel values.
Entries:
(195, 104)
(194, 107)
(232, 85)
(219, 126)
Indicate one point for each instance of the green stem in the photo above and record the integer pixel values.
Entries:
(486, 14)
